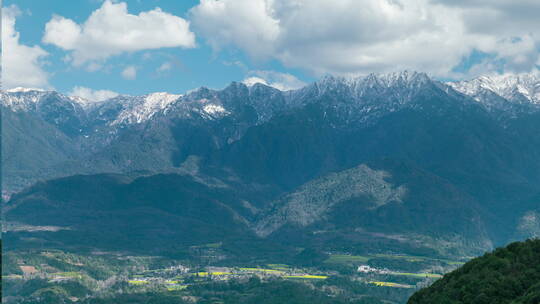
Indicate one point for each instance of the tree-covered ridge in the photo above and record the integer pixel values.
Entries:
(507, 275)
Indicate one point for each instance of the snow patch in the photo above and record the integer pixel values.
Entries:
(140, 109)
(214, 110)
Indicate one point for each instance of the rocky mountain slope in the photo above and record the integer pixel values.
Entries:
(507, 94)
(87, 130)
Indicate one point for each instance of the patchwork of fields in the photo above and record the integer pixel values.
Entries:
(106, 273)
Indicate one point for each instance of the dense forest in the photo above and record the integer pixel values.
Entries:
(507, 275)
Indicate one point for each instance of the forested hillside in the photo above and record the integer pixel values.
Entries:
(507, 275)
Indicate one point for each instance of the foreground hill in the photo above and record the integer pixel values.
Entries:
(507, 275)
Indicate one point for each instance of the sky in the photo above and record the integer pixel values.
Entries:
(100, 48)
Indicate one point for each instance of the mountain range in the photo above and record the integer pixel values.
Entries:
(386, 160)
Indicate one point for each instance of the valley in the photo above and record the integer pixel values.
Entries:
(78, 278)
(270, 152)
(348, 190)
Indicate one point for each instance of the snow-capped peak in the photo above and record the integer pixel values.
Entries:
(22, 99)
(520, 89)
(402, 78)
(25, 99)
(358, 85)
(142, 108)
(160, 99)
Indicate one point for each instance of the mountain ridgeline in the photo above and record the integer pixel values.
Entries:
(344, 164)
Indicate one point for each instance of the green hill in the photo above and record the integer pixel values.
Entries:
(507, 275)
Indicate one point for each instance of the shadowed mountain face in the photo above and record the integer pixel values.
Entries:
(166, 213)
(399, 157)
(117, 212)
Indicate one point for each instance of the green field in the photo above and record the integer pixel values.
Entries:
(417, 275)
(390, 284)
(307, 276)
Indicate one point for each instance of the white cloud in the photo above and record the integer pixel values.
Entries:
(280, 81)
(166, 66)
(130, 72)
(92, 95)
(247, 24)
(21, 64)
(111, 30)
(62, 32)
(250, 81)
(358, 37)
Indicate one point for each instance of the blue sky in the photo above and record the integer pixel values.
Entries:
(190, 68)
(187, 44)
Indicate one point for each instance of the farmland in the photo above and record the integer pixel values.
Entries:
(106, 274)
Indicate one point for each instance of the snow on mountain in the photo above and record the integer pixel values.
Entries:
(138, 109)
(502, 91)
(215, 110)
(359, 85)
(377, 93)
(364, 99)
(407, 79)
(215, 104)
(355, 98)
(83, 102)
(134, 109)
(23, 90)
(22, 99)
(27, 99)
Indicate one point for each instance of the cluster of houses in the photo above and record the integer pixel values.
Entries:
(369, 269)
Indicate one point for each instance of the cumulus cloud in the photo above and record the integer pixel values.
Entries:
(21, 64)
(92, 95)
(130, 72)
(280, 81)
(111, 30)
(509, 30)
(358, 37)
(244, 23)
